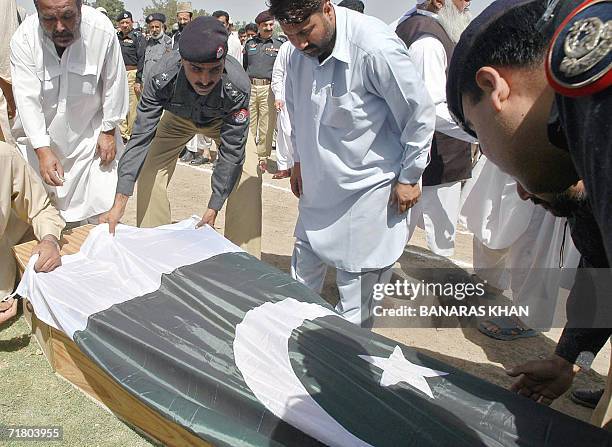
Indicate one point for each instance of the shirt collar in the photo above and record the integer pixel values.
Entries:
(341, 46)
(427, 13)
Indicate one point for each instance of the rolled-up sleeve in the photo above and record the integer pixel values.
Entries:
(115, 85)
(27, 90)
(234, 132)
(149, 112)
(391, 75)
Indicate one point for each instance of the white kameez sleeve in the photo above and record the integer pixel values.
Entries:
(27, 90)
(289, 103)
(391, 75)
(279, 72)
(114, 87)
(429, 58)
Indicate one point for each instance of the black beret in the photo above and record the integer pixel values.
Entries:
(124, 15)
(264, 16)
(204, 40)
(156, 16)
(463, 50)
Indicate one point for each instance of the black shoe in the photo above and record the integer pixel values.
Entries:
(199, 159)
(586, 398)
(187, 157)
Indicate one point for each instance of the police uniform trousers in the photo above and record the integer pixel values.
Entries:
(437, 213)
(263, 118)
(243, 212)
(356, 290)
(128, 124)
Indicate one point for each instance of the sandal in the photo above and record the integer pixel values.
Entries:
(508, 329)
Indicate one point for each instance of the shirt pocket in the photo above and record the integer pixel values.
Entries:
(82, 79)
(338, 110)
(49, 78)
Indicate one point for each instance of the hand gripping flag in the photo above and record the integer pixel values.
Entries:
(240, 354)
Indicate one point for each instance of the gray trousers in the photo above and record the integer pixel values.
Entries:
(355, 289)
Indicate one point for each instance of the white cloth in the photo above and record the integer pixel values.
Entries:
(65, 104)
(198, 142)
(355, 289)
(429, 58)
(362, 120)
(118, 268)
(439, 211)
(234, 47)
(284, 148)
(492, 208)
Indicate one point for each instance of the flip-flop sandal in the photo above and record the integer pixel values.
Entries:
(508, 329)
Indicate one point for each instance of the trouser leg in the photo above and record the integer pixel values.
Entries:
(254, 113)
(128, 124)
(267, 121)
(243, 212)
(440, 205)
(153, 206)
(356, 291)
(284, 147)
(307, 267)
(15, 229)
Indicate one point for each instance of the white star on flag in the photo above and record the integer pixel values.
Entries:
(397, 369)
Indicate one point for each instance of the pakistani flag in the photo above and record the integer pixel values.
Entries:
(240, 354)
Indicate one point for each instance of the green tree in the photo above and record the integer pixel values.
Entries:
(168, 8)
(113, 7)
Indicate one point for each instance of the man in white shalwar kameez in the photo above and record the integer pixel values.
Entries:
(363, 124)
(430, 34)
(71, 93)
(284, 148)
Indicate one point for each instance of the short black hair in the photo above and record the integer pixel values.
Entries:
(294, 11)
(251, 27)
(241, 31)
(221, 13)
(355, 5)
(513, 40)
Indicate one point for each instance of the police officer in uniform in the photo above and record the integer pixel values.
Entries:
(198, 90)
(156, 46)
(488, 94)
(259, 56)
(578, 68)
(132, 47)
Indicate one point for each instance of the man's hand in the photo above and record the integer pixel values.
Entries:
(296, 180)
(114, 215)
(106, 147)
(8, 309)
(405, 196)
(543, 380)
(49, 257)
(279, 104)
(209, 218)
(138, 88)
(51, 169)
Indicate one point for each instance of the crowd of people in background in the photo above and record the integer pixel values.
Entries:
(435, 118)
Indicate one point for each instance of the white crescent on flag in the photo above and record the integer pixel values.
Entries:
(262, 356)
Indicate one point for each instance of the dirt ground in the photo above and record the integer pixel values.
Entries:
(30, 393)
